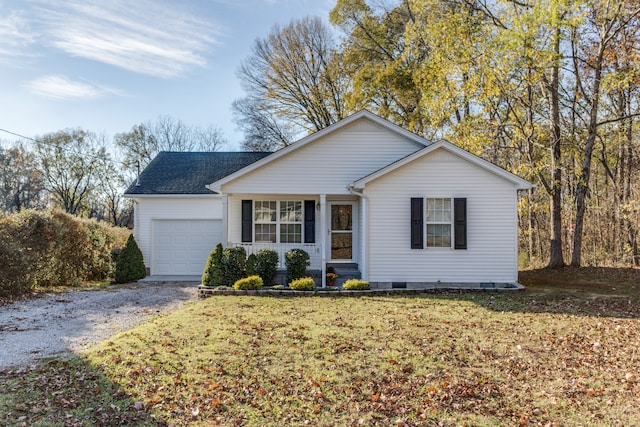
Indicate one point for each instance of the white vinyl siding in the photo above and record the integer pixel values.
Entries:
(491, 254)
(327, 165)
(148, 209)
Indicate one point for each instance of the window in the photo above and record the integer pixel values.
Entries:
(445, 219)
(273, 220)
(290, 222)
(265, 219)
(439, 222)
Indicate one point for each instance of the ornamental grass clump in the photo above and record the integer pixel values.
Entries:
(302, 284)
(355, 285)
(250, 283)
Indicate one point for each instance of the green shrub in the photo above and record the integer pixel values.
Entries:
(97, 250)
(277, 287)
(302, 284)
(297, 261)
(130, 264)
(234, 266)
(14, 266)
(52, 248)
(266, 265)
(212, 274)
(355, 285)
(248, 283)
(252, 260)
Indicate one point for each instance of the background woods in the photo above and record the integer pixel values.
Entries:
(548, 89)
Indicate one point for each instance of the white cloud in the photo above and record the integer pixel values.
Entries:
(148, 37)
(14, 34)
(61, 87)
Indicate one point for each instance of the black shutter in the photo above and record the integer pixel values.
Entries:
(247, 223)
(460, 223)
(309, 221)
(417, 215)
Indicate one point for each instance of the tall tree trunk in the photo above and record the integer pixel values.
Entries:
(582, 186)
(556, 260)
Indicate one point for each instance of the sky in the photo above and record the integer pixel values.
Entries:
(107, 65)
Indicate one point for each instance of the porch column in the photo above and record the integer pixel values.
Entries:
(225, 220)
(323, 238)
(364, 251)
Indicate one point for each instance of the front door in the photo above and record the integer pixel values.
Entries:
(341, 231)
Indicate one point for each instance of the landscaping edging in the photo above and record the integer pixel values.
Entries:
(207, 291)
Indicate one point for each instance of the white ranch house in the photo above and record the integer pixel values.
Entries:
(365, 194)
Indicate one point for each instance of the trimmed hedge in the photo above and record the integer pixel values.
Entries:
(51, 248)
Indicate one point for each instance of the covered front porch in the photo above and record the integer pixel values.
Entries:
(329, 228)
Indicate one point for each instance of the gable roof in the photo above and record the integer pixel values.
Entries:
(189, 172)
(520, 183)
(420, 142)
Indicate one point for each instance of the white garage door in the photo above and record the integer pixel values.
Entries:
(181, 247)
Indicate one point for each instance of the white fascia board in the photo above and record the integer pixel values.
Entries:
(416, 139)
(520, 183)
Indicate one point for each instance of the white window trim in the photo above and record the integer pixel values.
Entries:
(450, 223)
(278, 222)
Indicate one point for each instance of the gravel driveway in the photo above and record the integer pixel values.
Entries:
(62, 323)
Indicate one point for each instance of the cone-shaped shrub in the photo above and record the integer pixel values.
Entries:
(212, 275)
(130, 264)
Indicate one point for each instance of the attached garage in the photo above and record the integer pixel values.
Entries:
(180, 247)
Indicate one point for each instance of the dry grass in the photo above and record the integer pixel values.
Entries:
(565, 354)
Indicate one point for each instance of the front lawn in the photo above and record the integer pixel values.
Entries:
(545, 356)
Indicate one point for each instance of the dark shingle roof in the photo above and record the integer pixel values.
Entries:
(188, 172)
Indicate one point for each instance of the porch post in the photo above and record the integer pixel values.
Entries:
(225, 220)
(323, 238)
(364, 245)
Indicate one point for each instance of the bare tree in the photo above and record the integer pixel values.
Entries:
(141, 144)
(70, 161)
(262, 129)
(294, 84)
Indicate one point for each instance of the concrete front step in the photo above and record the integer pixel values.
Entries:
(345, 271)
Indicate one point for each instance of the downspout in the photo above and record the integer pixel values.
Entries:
(365, 230)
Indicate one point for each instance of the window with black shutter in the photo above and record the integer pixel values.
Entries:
(460, 223)
(417, 218)
(247, 223)
(309, 221)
